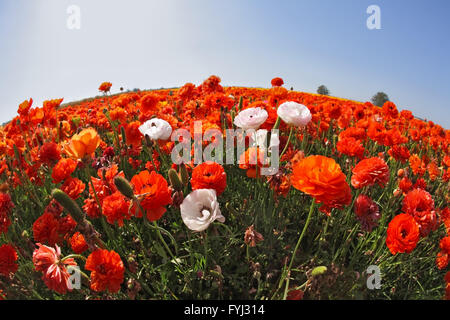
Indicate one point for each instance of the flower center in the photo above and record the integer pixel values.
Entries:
(205, 213)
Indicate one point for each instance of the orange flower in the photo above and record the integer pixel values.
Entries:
(370, 171)
(24, 107)
(419, 204)
(321, 177)
(73, 187)
(209, 175)
(107, 270)
(443, 258)
(116, 208)
(417, 165)
(402, 234)
(49, 153)
(105, 86)
(63, 169)
(390, 109)
(351, 147)
(433, 170)
(154, 193)
(149, 102)
(78, 243)
(83, 143)
(132, 133)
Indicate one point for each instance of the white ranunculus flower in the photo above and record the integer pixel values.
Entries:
(156, 129)
(294, 113)
(251, 118)
(200, 208)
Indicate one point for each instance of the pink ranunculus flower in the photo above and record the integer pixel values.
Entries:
(55, 275)
(251, 118)
(294, 113)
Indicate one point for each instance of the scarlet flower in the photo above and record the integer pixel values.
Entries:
(24, 107)
(63, 169)
(55, 275)
(78, 243)
(132, 133)
(105, 86)
(49, 153)
(420, 184)
(402, 234)
(351, 147)
(399, 153)
(154, 193)
(6, 203)
(45, 229)
(405, 184)
(443, 258)
(211, 85)
(321, 177)
(107, 270)
(277, 82)
(209, 175)
(419, 204)
(73, 187)
(367, 212)
(8, 258)
(83, 144)
(389, 109)
(116, 208)
(370, 171)
(52, 230)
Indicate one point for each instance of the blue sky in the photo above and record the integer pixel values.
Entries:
(152, 44)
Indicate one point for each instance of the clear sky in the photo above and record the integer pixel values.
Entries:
(166, 43)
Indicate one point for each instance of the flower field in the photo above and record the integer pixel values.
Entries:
(93, 206)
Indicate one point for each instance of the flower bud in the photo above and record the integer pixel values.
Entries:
(124, 187)
(184, 174)
(318, 271)
(69, 204)
(124, 136)
(175, 181)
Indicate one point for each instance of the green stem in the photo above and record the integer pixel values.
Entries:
(287, 143)
(305, 227)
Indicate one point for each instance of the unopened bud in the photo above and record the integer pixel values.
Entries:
(124, 187)
(175, 181)
(124, 136)
(184, 174)
(318, 271)
(69, 204)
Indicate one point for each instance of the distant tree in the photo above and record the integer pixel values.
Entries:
(323, 90)
(380, 98)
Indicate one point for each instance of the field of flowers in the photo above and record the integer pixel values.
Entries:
(92, 185)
